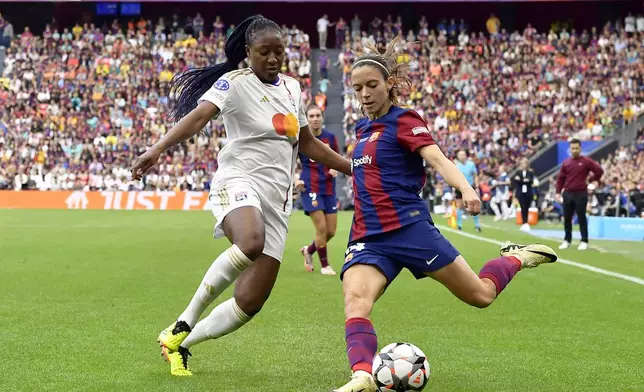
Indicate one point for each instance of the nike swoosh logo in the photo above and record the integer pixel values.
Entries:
(551, 257)
(429, 262)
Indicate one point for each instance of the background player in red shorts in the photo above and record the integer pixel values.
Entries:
(392, 228)
(317, 193)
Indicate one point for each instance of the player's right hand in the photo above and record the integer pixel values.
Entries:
(299, 185)
(471, 202)
(144, 163)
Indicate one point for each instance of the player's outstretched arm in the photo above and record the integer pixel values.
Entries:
(446, 168)
(189, 126)
(320, 152)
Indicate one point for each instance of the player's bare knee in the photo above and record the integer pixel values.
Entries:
(480, 299)
(330, 233)
(320, 229)
(252, 244)
(251, 302)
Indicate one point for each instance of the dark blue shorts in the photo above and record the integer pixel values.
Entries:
(419, 247)
(316, 202)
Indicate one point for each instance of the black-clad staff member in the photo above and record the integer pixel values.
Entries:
(572, 181)
(524, 184)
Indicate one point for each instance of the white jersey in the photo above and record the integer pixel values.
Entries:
(262, 124)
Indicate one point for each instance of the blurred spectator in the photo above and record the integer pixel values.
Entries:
(323, 30)
(324, 62)
(6, 33)
(493, 25)
(340, 32)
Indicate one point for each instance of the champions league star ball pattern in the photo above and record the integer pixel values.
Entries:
(400, 367)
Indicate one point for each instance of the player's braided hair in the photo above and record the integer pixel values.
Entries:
(385, 62)
(187, 87)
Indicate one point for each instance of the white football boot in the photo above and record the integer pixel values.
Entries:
(530, 256)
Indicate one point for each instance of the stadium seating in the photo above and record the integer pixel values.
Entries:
(622, 190)
(80, 104)
(502, 96)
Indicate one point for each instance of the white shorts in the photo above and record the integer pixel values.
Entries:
(228, 194)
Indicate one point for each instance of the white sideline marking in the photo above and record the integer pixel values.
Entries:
(562, 261)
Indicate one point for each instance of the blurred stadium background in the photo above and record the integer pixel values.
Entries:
(83, 91)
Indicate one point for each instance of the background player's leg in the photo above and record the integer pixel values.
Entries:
(244, 227)
(362, 286)
(477, 222)
(459, 213)
(317, 217)
(252, 290)
(331, 225)
(320, 235)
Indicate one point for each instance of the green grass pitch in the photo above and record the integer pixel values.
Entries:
(85, 293)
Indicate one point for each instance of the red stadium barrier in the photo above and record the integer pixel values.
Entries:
(106, 200)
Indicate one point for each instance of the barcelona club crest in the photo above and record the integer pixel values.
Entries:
(374, 136)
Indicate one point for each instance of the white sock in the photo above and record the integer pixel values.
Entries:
(221, 274)
(227, 317)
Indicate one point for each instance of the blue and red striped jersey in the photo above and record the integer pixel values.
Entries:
(315, 176)
(388, 173)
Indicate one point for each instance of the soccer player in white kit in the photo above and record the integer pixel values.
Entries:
(251, 193)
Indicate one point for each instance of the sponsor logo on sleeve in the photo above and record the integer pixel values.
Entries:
(418, 130)
(222, 85)
(241, 196)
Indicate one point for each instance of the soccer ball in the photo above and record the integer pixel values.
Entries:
(400, 367)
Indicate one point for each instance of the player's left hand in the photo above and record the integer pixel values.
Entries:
(333, 173)
(471, 202)
(299, 185)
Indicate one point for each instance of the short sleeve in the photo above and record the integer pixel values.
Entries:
(221, 94)
(412, 131)
(301, 117)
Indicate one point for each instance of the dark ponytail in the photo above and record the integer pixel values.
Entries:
(194, 83)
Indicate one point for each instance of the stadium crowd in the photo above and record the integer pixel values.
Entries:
(79, 105)
(502, 95)
(622, 191)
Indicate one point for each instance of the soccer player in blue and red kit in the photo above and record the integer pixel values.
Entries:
(392, 228)
(317, 193)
